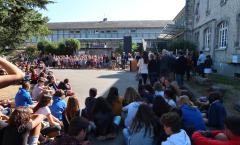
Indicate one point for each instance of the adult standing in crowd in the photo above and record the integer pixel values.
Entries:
(152, 69)
(180, 68)
(200, 63)
(143, 66)
(208, 65)
(165, 64)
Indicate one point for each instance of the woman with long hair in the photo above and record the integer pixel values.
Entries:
(144, 129)
(23, 128)
(130, 95)
(103, 118)
(43, 108)
(115, 101)
(160, 106)
(72, 110)
(143, 66)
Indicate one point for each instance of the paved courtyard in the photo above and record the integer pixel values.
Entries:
(102, 80)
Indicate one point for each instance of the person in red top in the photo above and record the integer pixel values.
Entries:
(231, 135)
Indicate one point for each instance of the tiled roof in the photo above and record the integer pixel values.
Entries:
(109, 24)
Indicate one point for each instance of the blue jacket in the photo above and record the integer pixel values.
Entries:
(216, 115)
(23, 98)
(58, 106)
(192, 117)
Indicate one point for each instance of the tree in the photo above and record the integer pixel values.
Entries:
(61, 48)
(32, 52)
(20, 21)
(134, 47)
(181, 45)
(72, 45)
(42, 45)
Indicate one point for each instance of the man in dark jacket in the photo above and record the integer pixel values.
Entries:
(180, 68)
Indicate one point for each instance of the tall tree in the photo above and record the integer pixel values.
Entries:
(20, 20)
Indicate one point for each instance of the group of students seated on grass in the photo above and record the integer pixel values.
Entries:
(159, 114)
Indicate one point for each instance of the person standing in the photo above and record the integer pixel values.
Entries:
(200, 63)
(180, 68)
(143, 67)
(152, 69)
(208, 65)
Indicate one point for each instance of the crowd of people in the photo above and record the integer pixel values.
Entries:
(161, 112)
(167, 65)
(115, 61)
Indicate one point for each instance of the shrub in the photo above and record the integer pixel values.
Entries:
(72, 45)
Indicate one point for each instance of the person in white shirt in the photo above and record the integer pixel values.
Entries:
(38, 89)
(172, 127)
(143, 67)
(42, 107)
(200, 63)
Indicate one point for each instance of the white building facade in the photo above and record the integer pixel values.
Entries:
(106, 33)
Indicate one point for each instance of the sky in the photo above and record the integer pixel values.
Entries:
(113, 10)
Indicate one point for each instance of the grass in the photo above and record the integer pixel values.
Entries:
(231, 85)
(219, 79)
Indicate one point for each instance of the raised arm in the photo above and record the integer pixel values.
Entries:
(14, 74)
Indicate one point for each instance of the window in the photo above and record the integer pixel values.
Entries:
(196, 38)
(222, 38)
(208, 8)
(223, 2)
(207, 39)
(236, 44)
(133, 30)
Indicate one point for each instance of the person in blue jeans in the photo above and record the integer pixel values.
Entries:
(23, 97)
(59, 104)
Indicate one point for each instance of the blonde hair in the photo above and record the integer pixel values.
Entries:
(184, 99)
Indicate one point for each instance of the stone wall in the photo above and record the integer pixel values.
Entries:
(209, 14)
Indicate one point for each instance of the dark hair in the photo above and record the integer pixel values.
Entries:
(76, 125)
(59, 93)
(93, 92)
(172, 120)
(157, 86)
(233, 124)
(169, 93)
(160, 106)
(20, 116)
(73, 107)
(44, 101)
(25, 85)
(145, 118)
(112, 95)
(149, 88)
(66, 81)
(101, 105)
(145, 57)
(213, 96)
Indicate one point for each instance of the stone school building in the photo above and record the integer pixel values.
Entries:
(215, 28)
